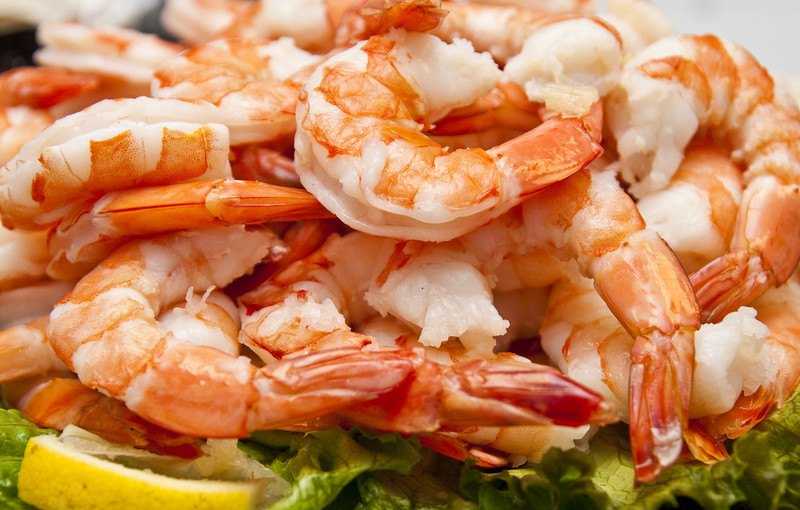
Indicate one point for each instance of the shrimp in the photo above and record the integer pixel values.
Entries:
(112, 145)
(638, 22)
(696, 212)
(106, 331)
(763, 374)
(83, 239)
(43, 87)
(350, 278)
(368, 163)
(18, 125)
(198, 21)
(25, 303)
(28, 251)
(589, 219)
(56, 402)
(250, 80)
(574, 6)
(490, 446)
(120, 53)
(733, 360)
(685, 85)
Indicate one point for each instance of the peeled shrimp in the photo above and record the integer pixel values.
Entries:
(761, 376)
(248, 79)
(685, 85)
(81, 240)
(168, 381)
(368, 163)
(28, 251)
(18, 125)
(198, 21)
(50, 399)
(122, 53)
(25, 303)
(112, 145)
(696, 212)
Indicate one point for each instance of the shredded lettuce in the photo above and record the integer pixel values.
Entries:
(15, 431)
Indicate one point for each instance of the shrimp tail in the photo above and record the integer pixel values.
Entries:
(539, 162)
(764, 254)
(513, 393)
(483, 392)
(58, 402)
(459, 449)
(660, 388)
(705, 447)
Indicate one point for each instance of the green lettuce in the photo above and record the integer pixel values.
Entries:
(319, 465)
(353, 470)
(15, 431)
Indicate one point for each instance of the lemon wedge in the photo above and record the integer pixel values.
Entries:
(57, 476)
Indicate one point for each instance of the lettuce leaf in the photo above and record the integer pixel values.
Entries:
(319, 465)
(15, 431)
(353, 470)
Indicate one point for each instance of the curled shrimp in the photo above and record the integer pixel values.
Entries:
(251, 80)
(696, 212)
(702, 84)
(50, 399)
(121, 53)
(83, 239)
(106, 331)
(761, 375)
(368, 163)
(198, 21)
(112, 145)
(307, 308)
(18, 125)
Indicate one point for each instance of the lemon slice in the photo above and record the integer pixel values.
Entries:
(57, 476)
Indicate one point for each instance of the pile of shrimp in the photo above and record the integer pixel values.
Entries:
(494, 225)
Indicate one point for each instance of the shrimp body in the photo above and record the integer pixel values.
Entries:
(366, 160)
(18, 125)
(83, 239)
(112, 145)
(121, 53)
(28, 250)
(106, 331)
(248, 79)
(707, 85)
(696, 213)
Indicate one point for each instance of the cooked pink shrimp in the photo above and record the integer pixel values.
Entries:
(683, 85)
(573, 6)
(696, 212)
(42, 87)
(490, 446)
(590, 219)
(18, 125)
(83, 239)
(121, 53)
(367, 161)
(109, 146)
(250, 80)
(57, 401)
(25, 303)
(25, 351)
(763, 376)
(107, 333)
(199, 21)
(25, 255)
